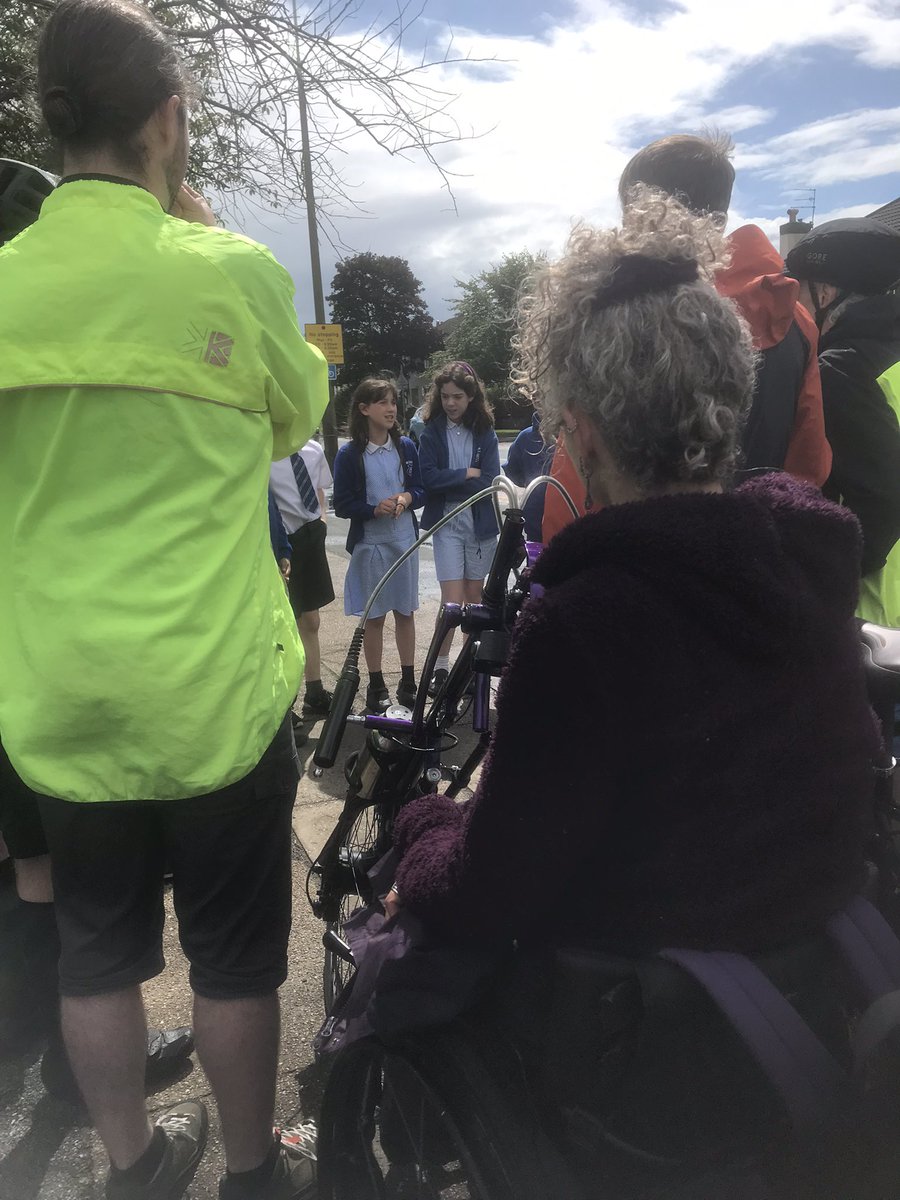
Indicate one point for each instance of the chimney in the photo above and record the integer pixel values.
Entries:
(793, 232)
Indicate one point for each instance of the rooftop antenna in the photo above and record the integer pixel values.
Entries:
(805, 201)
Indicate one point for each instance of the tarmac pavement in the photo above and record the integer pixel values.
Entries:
(48, 1152)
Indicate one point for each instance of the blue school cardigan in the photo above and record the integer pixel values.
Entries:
(443, 484)
(349, 494)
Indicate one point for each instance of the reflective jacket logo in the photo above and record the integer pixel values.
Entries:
(209, 346)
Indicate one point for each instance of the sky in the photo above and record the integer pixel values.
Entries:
(807, 89)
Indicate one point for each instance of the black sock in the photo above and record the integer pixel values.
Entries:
(253, 1179)
(408, 675)
(314, 688)
(376, 679)
(148, 1164)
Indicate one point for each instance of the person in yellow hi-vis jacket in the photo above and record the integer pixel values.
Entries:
(151, 368)
(879, 592)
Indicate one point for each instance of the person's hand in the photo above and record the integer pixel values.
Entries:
(189, 205)
(392, 903)
(284, 565)
(386, 507)
(473, 472)
(401, 504)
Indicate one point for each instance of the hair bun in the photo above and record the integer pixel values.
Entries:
(640, 275)
(61, 112)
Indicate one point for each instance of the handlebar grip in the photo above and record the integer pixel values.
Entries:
(509, 552)
(336, 721)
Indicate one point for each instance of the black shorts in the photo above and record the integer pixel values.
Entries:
(230, 856)
(309, 586)
(20, 818)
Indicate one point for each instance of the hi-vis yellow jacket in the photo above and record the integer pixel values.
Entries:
(879, 593)
(150, 370)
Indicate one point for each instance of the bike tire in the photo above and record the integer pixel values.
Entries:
(431, 1109)
(363, 840)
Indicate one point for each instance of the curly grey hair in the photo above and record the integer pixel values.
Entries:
(666, 377)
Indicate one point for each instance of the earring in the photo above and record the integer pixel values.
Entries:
(586, 476)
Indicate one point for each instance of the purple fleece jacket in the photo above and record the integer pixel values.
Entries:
(683, 742)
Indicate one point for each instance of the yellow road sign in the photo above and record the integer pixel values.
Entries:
(329, 339)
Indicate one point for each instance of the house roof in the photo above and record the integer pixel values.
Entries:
(889, 214)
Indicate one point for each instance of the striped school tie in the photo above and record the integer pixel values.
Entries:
(304, 485)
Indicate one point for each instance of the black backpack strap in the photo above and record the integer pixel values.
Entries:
(811, 1083)
(869, 947)
(878, 1024)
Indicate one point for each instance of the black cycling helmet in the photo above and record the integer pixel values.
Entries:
(854, 254)
(23, 189)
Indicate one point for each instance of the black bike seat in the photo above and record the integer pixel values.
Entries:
(881, 660)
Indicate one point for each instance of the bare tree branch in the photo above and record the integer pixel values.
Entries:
(358, 77)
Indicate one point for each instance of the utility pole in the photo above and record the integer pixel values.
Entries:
(329, 420)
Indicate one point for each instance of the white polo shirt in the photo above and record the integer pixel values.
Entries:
(293, 511)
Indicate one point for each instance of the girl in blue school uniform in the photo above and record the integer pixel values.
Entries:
(377, 485)
(459, 456)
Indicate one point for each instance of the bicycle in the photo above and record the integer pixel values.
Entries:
(403, 753)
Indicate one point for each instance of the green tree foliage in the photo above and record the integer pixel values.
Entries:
(246, 55)
(481, 330)
(20, 134)
(387, 326)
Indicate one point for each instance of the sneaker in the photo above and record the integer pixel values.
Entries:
(167, 1051)
(294, 1176)
(186, 1126)
(377, 699)
(438, 679)
(303, 1138)
(406, 694)
(317, 705)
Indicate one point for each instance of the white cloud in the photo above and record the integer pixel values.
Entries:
(837, 149)
(570, 106)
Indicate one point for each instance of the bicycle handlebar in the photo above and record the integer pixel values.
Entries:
(509, 555)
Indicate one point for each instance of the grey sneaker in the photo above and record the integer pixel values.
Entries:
(294, 1176)
(186, 1126)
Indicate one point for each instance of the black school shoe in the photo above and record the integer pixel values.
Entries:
(316, 705)
(167, 1050)
(438, 679)
(406, 694)
(293, 1177)
(185, 1126)
(377, 699)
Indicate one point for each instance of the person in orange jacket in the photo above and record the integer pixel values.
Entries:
(786, 427)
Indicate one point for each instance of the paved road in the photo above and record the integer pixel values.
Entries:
(46, 1152)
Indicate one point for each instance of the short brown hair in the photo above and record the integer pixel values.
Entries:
(697, 171)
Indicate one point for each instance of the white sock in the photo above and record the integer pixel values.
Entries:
(443, 663)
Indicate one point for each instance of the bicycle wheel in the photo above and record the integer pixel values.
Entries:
(336, 971)
(425, 1122)
(360, 850)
